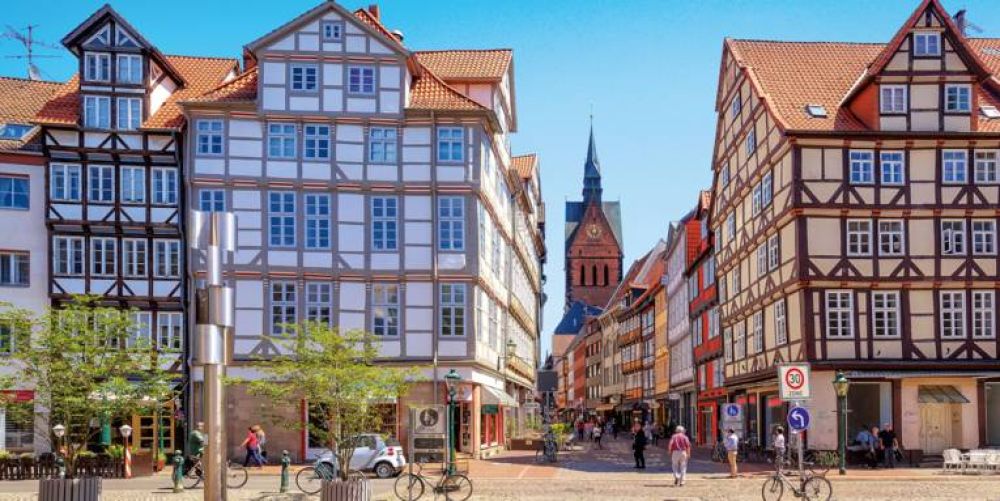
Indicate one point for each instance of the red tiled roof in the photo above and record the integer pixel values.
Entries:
(20, 102)
(367, 18)
(200, 75)
(489, 64)
(524, 165)
(241, 88)
(429, 92)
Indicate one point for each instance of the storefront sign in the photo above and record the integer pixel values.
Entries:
(673, 396)
(793, 381)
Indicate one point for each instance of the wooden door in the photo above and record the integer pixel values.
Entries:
(935, 427)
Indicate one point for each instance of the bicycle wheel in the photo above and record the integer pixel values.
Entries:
(309, 480)
(192, 477)
(236, 476)
(456, 487)
(408, 487)
(773, 489)
(355, 475)
(817, 489)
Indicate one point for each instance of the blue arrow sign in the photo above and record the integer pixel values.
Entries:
(798, 418)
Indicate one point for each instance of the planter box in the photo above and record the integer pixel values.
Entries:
(524, 444)
(351, 490)
(77, 489)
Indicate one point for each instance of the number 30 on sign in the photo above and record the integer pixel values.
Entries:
(793, 381)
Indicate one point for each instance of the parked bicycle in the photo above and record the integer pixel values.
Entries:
(411, 486)
(811, 486)
(236, 475)
(310, 479)
(548, 452)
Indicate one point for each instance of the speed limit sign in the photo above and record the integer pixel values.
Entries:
(793, 381)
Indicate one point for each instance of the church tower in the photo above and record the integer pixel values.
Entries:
(593, 239)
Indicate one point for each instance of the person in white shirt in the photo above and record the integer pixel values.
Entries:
(779, 446)
(732, 444)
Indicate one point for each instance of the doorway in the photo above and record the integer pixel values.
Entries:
(936, 432)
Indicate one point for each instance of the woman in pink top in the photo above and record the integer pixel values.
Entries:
(680, 452)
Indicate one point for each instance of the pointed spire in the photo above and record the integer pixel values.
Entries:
(592, 169)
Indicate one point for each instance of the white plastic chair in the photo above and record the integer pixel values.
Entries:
(993, 462)
(952, 459)
(977, 462)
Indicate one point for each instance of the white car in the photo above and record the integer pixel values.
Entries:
(372, 454)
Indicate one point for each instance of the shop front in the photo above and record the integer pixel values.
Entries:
(17, 421)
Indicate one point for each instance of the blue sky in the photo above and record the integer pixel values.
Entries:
(649, 69)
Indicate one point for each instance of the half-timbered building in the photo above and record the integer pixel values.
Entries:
(855, 222)
(681, 398)
(374, 188)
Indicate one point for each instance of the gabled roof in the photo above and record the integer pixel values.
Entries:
(524, 165)
(240, 89)
(612, 212)
(467, 65)
(20, 101)
(574, 317)
(429, 92)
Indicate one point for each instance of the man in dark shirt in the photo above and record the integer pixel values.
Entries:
(889, 444)
(639, 449)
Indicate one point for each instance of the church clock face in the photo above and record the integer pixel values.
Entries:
(594, 231)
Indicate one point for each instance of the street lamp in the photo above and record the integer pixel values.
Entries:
(840, 385)
(451, 380)
(126, 432)
(60, 431)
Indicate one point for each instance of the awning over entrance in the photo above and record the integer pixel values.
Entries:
(940, 394)
(493, 396)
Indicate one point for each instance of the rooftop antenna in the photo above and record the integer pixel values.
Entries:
(964, 25)
(27, 39)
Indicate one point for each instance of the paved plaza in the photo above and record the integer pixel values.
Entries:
(592, 474)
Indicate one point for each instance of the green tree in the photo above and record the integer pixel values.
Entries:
(87, 367)
(334, 371)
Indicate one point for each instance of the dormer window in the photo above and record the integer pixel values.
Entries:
(816, 110)
(989, 111)
(927, 44)
(893, 99)
(129, 68)
(97, 67)
(957, 98)
(14, 131)
(333, 31)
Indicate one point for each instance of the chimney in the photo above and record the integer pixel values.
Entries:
(373, 10)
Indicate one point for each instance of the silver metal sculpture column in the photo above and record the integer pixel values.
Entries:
(215, 232)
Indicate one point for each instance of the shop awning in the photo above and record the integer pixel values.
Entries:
(605, 407)
(940, 394)
(493, 396)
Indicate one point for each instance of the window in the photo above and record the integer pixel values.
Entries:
(893, 99)
(773, 253)
(758, 332)
(129, 113)
(97, 112)
(67, 256)
(861, 167)
(956, 98)
(212, 200)
(14, 270)
(167, 258)
(142, 326)
(731, 226)
(451, 224)
(718, 374)
(839, 314)
(13, 192)
(727, 344)
(983, 316)
(885, 314)
(129, 68)
(361, 80)
(281, 208)
(757, 200)
(209, 137)
(169, 331)
(954, 166)
(926, 44)
(133, 184)
(317, 142)
(97, 67)
(890, 238)
(165, 186)
(984, 237)
(953, 237)
(498, 250)
(780, 323)
(283, 308)
(737, 279)
(750, 143)
(450, 144)
(102, 256)
(859, 238)
(891, 166)
(952, 314)
(318, 300)
(317, 221)
(724, 176)
(101, 182)
(65, 182)
(304, 77)
(333, 31)
(385, 310)
(708, 273)
(986, 167)
(735, 106)
(382, 145)
(280, 140)
(14, 131)
(740, 346)
(384, 213)
(134, 257)
(761, 260)
(767, 189)
(452, 309)
(713, 325)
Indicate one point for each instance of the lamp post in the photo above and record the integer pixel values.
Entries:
(451, 380)
(840, 385)
(126, 432)
(60, 431)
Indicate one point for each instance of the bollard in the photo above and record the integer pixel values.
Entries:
(178, 471)
(61, 464)
(285, 461)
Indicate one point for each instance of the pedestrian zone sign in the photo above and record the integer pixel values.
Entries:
(732, 413)
(793, 381)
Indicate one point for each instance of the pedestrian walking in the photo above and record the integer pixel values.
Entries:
(679, 448)
(261, 441)
(639, 449)
(614, 429)
(252, 449)
(732, 446)
(890, 445)
(778, 440)
(597, 436)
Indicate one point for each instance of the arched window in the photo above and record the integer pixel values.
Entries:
(593, 275)
(583, 275)
(605, 274)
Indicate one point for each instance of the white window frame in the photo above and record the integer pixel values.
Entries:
(859, 238)
(984, 237)
(303, 77)
(170, 331)
(97, 112)
(767, 189)
(953, 237)
(317, 208)
(731, 226)
(382, 145)
(128, 113)
(839, 312)
(361, 80)
(985, 170)
(780, 323)
(885, 314)
(211, 200)
(758, 331)
(135, 257)
(757, 199)
(450, 144)
(740, 344)
(385, 223)
(385, 310)
(332, 31)
(319, 302)
(452, 309)
(773, 253)
(451, 223)
(67, 256)
(893, 99)
(862, 167)
(129, 66)
(103, 254)
(983, 314)
(96, 67)
(892, 168)
(15, 269)
(750, 143)
(891, 237)
(724, 176)
(166, 258)
(926, 44)
(133, 184)
(727, 344)
(142, 328)
(165, 185)
(284, 307)
(957, 98)
(65, 182)
(762, 260)
(209, 137)
(954, 166)
(281, 219)
(735, 106)
(952, 314)
(282, 139)
(100, 183)
(316, 142)
(13, 189)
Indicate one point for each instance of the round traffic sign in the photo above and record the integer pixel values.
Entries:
(732, 410)
(798, 418)
(794, 378)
